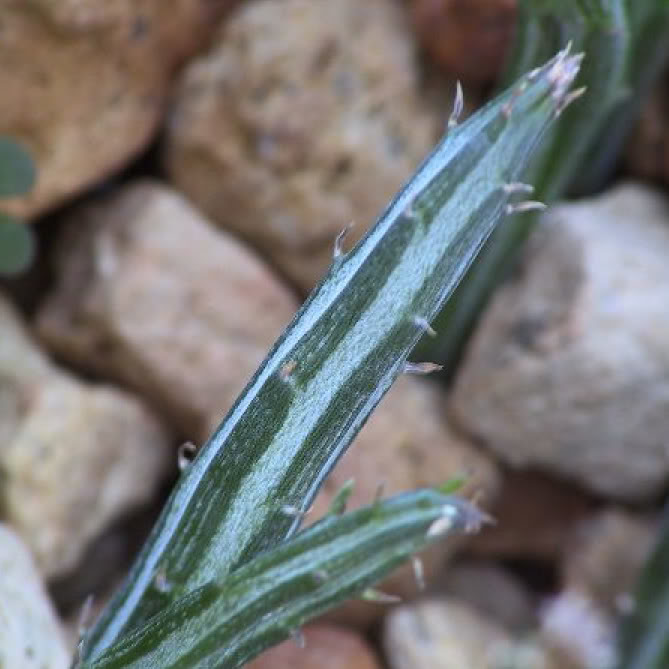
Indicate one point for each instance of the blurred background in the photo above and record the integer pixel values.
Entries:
(173, 174)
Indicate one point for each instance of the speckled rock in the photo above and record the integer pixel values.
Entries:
(443, 634)
(468, 38)
(73, 456)
(85, 83)
(304, 116)
(604, 557)
(149, 293)
(325, 647)
(406, 444)
(30, 634)
(569, 367)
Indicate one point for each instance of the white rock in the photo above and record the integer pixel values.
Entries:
(30, 633)
(569, 367)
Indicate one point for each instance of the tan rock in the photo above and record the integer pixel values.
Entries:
(406, 444)
(325, 647)
(73, 456)
(569, 368)
(468, 38)
(85, 83)
(30, 634)
(152, 295)
(304, 116)
(605, 555)
(443, 634)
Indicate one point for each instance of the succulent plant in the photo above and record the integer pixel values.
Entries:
(626, 42)
(225, 623)
(17, 175)
(225, 534)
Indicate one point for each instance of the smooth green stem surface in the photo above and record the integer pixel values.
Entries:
(224, 624)
(244, 491)
(581, 148)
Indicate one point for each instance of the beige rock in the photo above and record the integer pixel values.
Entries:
(30, 634)
(443, 634)
(73, 456)
(604, 557)
(326, 647)
(406, 444)
(84, 83)
(152, 295)
(304, 116)
(468, 38)
(569, 367)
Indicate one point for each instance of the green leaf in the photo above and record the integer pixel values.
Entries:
(17, 245)
(225, 623)
(17, 171)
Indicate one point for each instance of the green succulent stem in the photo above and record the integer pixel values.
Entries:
(579, 151)
(245, 491)
(226, 623)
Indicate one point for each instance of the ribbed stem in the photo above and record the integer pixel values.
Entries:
(580, 149)
(338, 357)
(258, 605)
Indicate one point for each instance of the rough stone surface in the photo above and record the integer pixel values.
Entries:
(30, 634)
(647, 153)
(443, 634)
(304, 116)
(326, 647)
(493, 591)
(85, 83)
(535, 516)
(576, 633)
(152, 295)
(73, 456)
(605, 556)
(406, 444)
(468, 38)
(569, 367)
